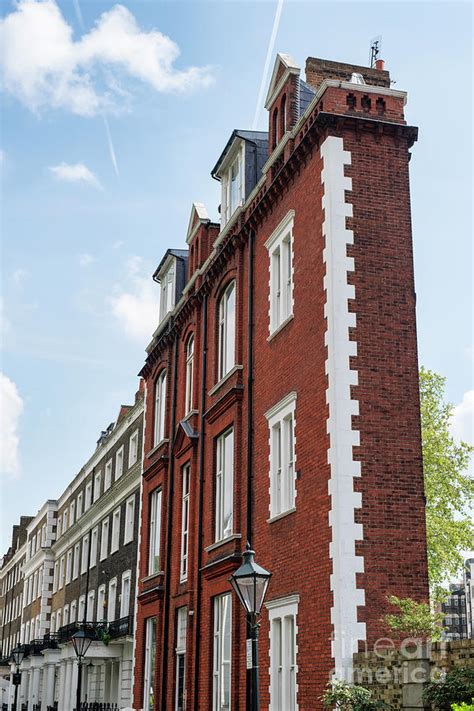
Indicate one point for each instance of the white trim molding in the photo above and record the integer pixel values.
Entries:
(347, 597)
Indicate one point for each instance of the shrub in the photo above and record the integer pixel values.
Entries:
(456, 687)
(462, 707)
(350, 697)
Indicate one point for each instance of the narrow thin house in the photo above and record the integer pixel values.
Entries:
(282, 403)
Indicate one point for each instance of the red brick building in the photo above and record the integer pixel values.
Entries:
(282, 403)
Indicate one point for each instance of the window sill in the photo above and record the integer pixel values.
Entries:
(280, 327)
(223, 380)
(190, 414)
(151, 576)
(223, 541)
(272, 519)
(157, 447)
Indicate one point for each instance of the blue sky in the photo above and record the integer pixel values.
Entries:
(85, 221)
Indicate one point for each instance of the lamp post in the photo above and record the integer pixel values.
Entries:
(17, 657)
(81, 641)
(250, 582)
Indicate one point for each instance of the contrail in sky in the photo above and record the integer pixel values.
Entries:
(271, 45)
(113, 156)
(78, 12)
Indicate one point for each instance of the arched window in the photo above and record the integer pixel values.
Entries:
(283, 116)
(160, 408)
(275, 127)
(226, 336)
(189, 374)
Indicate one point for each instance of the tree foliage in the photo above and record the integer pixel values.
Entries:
(448, 485)
(456, 687)
(413, 619)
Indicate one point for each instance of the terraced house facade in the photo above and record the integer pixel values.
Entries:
(77, 562)
(282, 403)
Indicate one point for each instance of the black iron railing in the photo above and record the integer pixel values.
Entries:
(120, 628)
(65, 633)
(99, 706)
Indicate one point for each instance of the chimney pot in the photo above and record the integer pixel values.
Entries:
(379, 64)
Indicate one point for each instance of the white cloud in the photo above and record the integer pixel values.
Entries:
(75, 173)
(136, 308)
(462, 421)
(44, 66)
(85, 259)
(10, 411)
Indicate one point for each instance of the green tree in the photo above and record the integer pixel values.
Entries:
(413, 619)
(448, 485)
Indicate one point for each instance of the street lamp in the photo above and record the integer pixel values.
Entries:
(250, 582)
(17, 657)
(81, 642)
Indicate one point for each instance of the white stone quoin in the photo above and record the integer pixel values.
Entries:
(342, 438)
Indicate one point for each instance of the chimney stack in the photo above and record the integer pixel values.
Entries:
(379, 64)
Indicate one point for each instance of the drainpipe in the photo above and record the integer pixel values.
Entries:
(250, 308)
(167, 596)
(197, 625)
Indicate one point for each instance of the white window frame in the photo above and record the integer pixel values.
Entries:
(185, 483)
(88, 497)
(226, 336)
(159, 408)
(75, 562)
(221, 665)
(72, 513)
(112, 600)
(280, 252)
(189, 395)
(181, 634)
(97, 483)
(115, 540)
(133, 449)
(73, 612)
(283, 652)
(154, 532)
(79, 505)
(66, 615)
(224, 485)
(69, 566)
(58, 528)
(236, 157)
(65, 521)
(90, 613)
(84, 553)
(129, 520)
(125, 608)
(61, 572)
(81, 608)
(100, 603)
(281, 423)
(149, 691)
(94, 546)
(119, 462)
(168, 288)
(108, 474)
(59, 623)
(104, 538)
(55, 576)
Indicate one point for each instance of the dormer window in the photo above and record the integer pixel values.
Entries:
(233, 185)
(167, 290)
